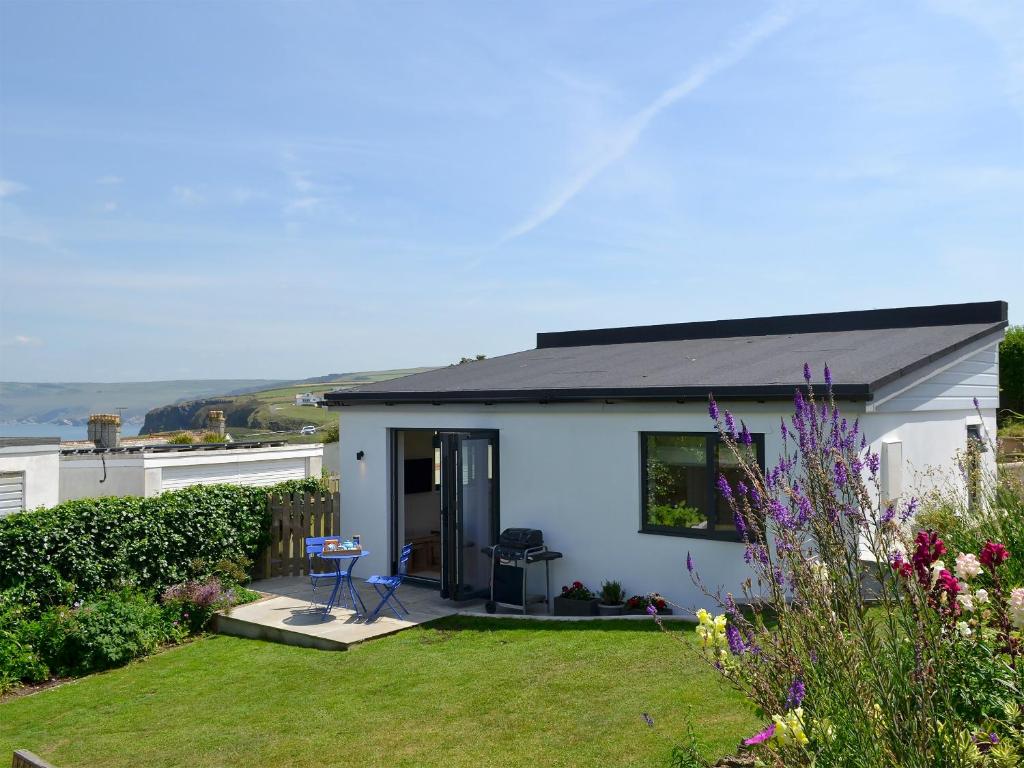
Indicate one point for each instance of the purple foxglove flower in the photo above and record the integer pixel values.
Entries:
(741, 523)
(805, 510)
(840, 473)
(712, 409)
(651, 610)
(723, 487)
(874, 462)
(976, 404)
(736, 644)
(888, 514)
(909, 510)
(807, 373)
(745, 437)
(828, 376)
(730, 425)
(689, 563)
(796, 694)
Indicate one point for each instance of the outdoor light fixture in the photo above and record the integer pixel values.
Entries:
(359, 455)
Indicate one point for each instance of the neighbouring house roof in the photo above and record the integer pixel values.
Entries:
(755, 358)
(179, 448)
(19, 442)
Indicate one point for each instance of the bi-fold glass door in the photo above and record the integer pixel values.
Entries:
(446, 506)
(469, 510)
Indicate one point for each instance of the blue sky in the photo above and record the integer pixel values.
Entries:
(205, 190)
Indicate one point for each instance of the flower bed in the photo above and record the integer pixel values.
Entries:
(929, 670)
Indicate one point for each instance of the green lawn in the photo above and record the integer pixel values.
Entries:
(461, 692)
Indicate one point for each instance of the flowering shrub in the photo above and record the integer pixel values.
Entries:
(856, 639)
(577, 591)
(651, 603)
(193, 603)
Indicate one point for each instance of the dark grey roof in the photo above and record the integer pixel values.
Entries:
(757, 358)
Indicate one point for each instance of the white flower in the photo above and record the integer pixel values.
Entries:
(1016, 606)
(981, 596)
(967, 566)
(966, 601)
(937, 567)
(963, 629)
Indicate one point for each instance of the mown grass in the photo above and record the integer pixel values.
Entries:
(459, 692)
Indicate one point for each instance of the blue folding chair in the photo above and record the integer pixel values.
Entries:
(314, 546)
(386, 586)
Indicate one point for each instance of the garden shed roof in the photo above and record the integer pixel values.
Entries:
(753, 358)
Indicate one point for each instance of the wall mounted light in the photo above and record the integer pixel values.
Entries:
(359, 455)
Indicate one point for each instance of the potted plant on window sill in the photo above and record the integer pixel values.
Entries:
(637, 605)
(612, 599)
(575, 600)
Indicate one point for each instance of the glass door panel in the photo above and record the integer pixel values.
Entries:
(469, 511)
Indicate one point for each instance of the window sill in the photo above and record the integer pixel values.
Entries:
(726, 536)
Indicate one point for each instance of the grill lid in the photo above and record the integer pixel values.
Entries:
(521, 538)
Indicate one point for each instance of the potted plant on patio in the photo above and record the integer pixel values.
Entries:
(575, 600)
(637, 605)
(612, 599)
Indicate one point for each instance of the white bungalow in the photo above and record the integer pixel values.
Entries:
(561, 437)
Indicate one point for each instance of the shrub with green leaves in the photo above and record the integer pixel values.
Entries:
(104, 632)
(1011, 370)
(59, 555)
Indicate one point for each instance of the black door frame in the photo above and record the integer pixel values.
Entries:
(450, 534)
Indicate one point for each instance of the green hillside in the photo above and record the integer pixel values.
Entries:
(73, 401)
(268, 412)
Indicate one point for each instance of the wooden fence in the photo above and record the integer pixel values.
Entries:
(291, 521)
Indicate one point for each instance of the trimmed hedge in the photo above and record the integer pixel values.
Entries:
(58, 555)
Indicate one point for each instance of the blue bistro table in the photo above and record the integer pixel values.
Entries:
(344, 577)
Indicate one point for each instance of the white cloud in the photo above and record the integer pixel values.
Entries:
(21, 341)
(187, 195)
(302, 204)
(631, 131)
(1003, 23)
(8, 187)
(110, 180)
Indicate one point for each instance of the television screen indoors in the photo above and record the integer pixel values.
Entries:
(419, 475)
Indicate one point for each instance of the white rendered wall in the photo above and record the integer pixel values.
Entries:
(142, 474)
(573, 470)
(40, 465)
(80, 477)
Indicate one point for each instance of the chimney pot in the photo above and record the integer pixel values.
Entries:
(105, 430)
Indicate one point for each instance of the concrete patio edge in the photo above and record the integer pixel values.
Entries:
(226, 624)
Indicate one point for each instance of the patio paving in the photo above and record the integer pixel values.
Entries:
(285, 615)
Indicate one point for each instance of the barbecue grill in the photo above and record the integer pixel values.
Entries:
(516, 550)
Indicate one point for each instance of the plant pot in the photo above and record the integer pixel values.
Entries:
(610, 610)
(666, 611)
(567, 607)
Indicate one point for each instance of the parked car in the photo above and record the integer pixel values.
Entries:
(309, 429)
